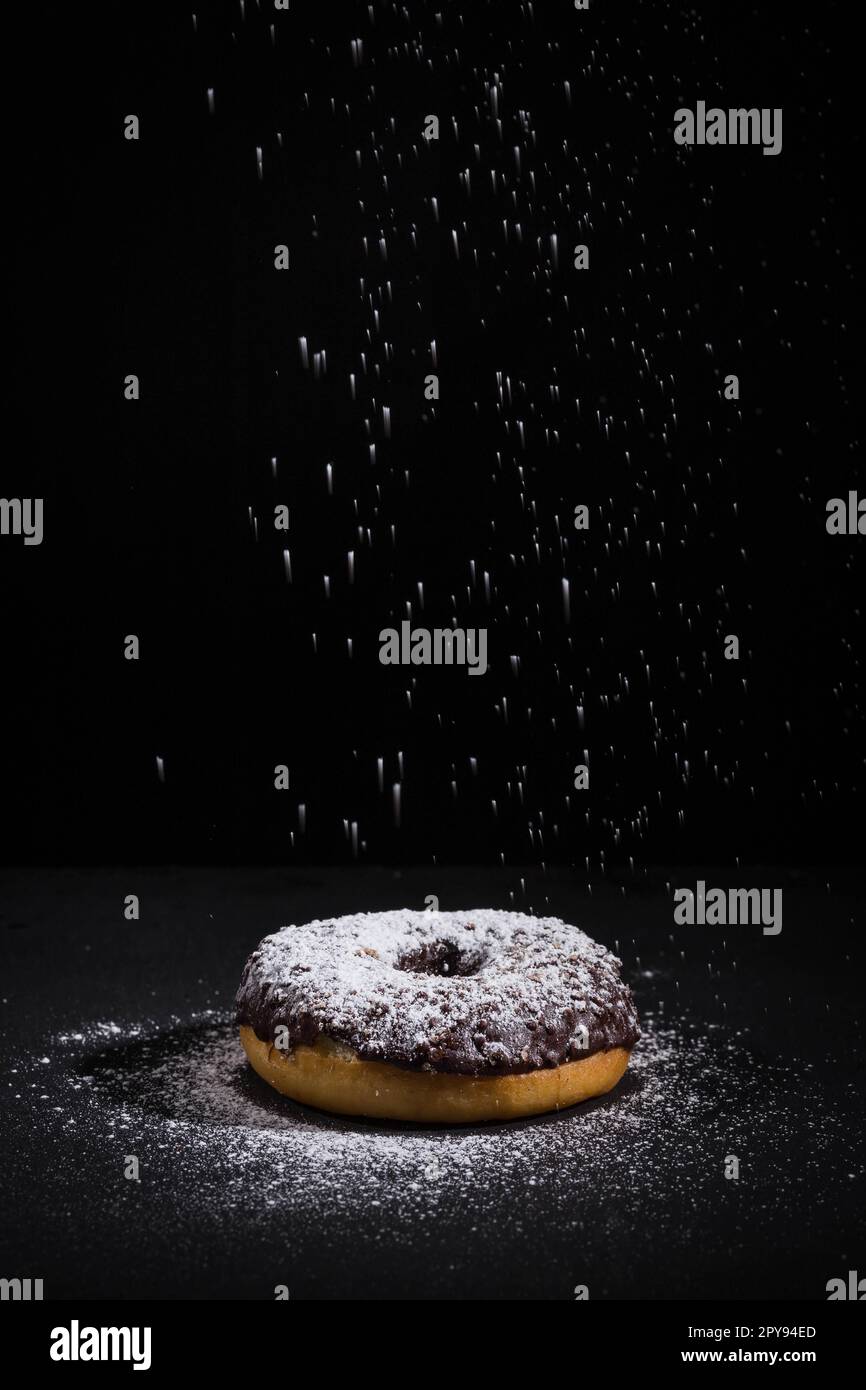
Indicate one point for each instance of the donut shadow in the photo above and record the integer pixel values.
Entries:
(198, 1072)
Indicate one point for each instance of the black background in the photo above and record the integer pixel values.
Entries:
(156, 257)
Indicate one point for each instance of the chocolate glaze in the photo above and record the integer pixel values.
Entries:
(477, 993)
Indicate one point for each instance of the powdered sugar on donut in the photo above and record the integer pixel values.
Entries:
(479, 992)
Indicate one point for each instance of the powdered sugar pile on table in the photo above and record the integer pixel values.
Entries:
(241, 1190)
(193, 1090)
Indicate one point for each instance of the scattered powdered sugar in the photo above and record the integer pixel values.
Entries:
(238, 1183)
(193, 1090)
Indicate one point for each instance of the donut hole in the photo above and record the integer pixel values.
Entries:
(440, 958)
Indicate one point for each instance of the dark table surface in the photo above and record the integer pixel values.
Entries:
(118, 1042)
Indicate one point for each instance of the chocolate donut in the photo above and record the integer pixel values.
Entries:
(436, 1016)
